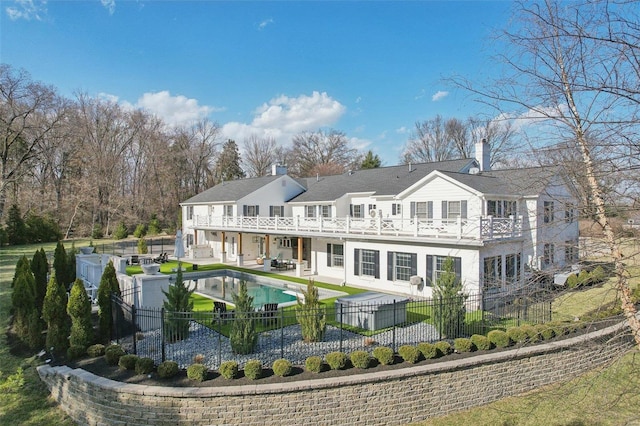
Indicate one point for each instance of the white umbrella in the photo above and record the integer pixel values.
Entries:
(179, 250)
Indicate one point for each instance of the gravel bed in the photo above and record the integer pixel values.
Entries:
(285, 342)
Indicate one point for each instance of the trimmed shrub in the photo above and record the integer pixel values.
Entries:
(142, 246)
(76, 351)
(482, 343)
(558, 328)
(409, 353)
(144, 365)
(531, 332)
(79, 310)
(95, 350)
(428, 350)
(197, 372)
(517, 334)
(311, 315)
(598, 275)
(253, 369)
(96, 232)
(112, 354)
(243, 336)
(360, 359)
(229, 369)
(336, 360)
(128, 362)
(282, 367)
(315, 364)
(444, 347)
(545, 331)
(108, 285)
(384, 355)
(462, 344)
(572, 281)
(168, 369)
(499, 338)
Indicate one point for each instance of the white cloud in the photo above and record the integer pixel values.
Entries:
(402, 130)
(110, 5)
(174, 110)
(283, 117)
(28, 10)
(439, 95)
(262, 25)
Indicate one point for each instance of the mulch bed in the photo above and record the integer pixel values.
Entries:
(98, 366)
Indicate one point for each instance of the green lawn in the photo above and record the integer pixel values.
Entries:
(606, 397)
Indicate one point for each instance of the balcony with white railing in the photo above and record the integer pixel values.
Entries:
(478, 229)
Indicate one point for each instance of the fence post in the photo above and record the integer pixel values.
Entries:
(393, 342)
(219, 339)
(281, 333)
(162, 331)
(341, 306)
(133, 326)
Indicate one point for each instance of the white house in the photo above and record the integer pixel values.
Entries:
(377, 228)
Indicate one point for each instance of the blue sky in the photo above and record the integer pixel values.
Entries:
(369, 69)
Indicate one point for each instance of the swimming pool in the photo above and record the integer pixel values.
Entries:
(222, 284)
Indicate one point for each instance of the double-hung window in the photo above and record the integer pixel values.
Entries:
(366, 263)
(401, 266)
(276, 211)
(189, 212)
(325, 211)
(548, 212)
(569, 213)
(571, 254)
(357, 210)
(335, 255)
(493, 277)
(228, 210)
(501, 208)
(251, 211)
(310, 211)
(512, 264)
(548, 255)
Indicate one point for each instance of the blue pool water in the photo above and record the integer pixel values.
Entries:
(222, 288)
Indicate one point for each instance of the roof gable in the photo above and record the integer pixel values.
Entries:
(232, 191)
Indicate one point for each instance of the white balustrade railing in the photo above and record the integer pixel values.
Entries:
(482, 228)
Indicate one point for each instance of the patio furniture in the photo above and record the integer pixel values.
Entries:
(269, 313)
(220, 310)
(134, 260)
(162, 258)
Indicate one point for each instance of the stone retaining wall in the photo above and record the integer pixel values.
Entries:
(390, 397)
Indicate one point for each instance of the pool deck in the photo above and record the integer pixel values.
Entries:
(252, 264)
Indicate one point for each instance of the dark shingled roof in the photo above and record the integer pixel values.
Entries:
(231, 190)
(380, 181)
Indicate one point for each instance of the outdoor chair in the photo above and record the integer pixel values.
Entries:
(162, 258)
(134, 260)
(269, 313)
(220, 310)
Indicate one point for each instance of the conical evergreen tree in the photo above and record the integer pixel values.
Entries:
(60, 265)
(54, 312)
(449, 309)
(21, 265)
(22, 301)
(243, 336)
(108, 286)
(79, 310)
(71, 263)
(16, 227)
(228, 164)
(177, 306)
(40, 268)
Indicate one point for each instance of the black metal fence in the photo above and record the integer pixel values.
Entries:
(182, 336)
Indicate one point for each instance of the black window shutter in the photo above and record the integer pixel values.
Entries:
(328, 254)
(281, 211)
(457, 267)
(257, 210)
(351, 210)
(270, 211)
(413, 209)
(377, 260)
(429, 278)
(429, 209)
(356, 262)
(390, 255)
(463, 209)
(244, 210)
(414, 264)
(444, 209)
(393, 209)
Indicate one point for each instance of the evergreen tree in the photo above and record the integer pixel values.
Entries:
(178, 305)
(448, 298)
(371, 161)
(154, 226)
(16, 228)
(54, 312)
(311, 315)
(243, 336)
(108, 286)
(22, 301)
(71, 263)
(40, 268)
(60, 265)
(79, 310)
(21, 265)
(228, 164)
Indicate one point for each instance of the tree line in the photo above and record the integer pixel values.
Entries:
(88, 164)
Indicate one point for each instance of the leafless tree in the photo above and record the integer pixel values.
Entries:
(259, 155)
(29, 111)
(573, 66)
(430, 142)
(312, 151)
